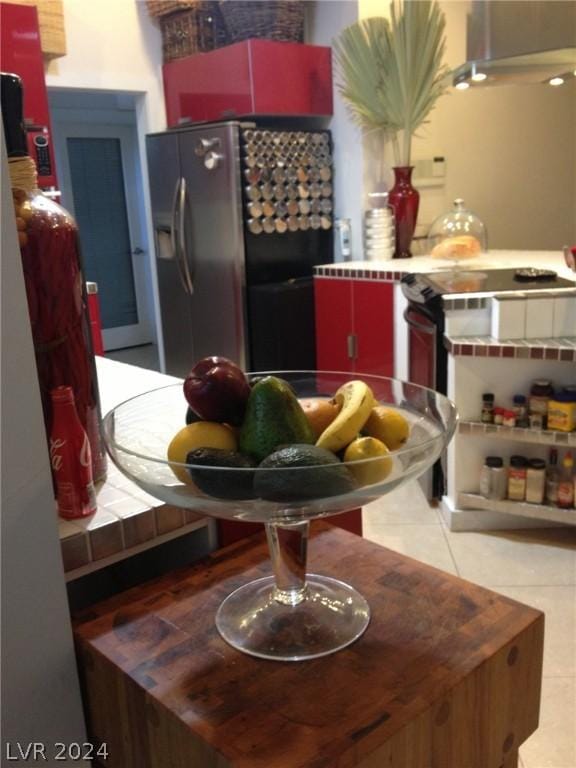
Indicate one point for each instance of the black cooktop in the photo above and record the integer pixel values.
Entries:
(495, 280)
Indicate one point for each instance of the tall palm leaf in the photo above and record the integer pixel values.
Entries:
(391, 71)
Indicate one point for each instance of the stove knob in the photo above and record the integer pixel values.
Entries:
(428, 292)
(409, 279)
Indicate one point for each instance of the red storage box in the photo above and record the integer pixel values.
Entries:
(254, 77)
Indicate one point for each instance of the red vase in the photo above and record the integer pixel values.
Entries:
(405, 200)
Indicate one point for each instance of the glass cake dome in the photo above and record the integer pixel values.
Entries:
(458, 234)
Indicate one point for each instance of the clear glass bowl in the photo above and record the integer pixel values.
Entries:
(288, 616)
(457, 235)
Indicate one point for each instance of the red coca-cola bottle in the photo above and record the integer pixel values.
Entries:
(70, 457)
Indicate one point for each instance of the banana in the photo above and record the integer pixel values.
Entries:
(356, 401)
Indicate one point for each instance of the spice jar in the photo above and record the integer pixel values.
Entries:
(508, 418)
(562, 410)
(498, 415)
(55, 285)
(541, 392)
(536, 420)
(487, 416)
(535, 481)
(493, 478)
(517, 478)
(520, 408)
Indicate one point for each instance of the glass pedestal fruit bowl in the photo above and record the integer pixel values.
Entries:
(290, 615)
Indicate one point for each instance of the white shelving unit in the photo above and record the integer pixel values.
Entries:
(518, 434)
(519, 508)
(469, 376)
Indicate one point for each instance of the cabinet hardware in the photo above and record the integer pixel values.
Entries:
(352, 342)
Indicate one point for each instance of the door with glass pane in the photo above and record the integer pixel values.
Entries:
(101, 185)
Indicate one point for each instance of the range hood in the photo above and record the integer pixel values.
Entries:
(515, 42)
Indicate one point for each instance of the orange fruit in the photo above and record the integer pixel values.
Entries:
(370, 468)
(388, 425)
(320, 412)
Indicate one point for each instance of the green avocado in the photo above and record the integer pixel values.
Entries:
(305, 472)
(273, 417)
(220, 473)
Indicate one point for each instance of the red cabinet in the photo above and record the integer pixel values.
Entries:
(354, 325)
(254, 77)
(21, 54)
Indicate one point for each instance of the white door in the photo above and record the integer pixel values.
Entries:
(99, 176)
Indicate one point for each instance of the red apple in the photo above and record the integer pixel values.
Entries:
(217, 390)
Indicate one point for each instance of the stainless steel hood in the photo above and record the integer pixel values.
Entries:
(516, 41)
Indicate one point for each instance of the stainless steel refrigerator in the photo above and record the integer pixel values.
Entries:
(241, 215)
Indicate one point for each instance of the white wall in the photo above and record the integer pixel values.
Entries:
(326, 19)
(114, 46)
(40, 691)
(510, 151)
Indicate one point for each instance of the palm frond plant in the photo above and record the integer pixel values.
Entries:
(391, 72)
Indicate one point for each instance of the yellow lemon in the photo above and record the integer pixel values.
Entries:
(368, 472)
(388, 425)
(200, 434)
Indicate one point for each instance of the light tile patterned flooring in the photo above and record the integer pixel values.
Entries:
(536, 567)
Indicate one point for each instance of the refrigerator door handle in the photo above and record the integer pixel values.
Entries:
(182, 209)
(175, 229)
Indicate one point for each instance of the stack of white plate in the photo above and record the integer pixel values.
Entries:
(379, 234)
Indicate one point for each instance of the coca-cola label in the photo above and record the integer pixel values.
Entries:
(56, 458)
(72, 469)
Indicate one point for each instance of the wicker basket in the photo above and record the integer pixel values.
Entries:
(198, 29)
(158, 8)
(272, 19)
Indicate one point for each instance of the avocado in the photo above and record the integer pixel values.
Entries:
(273, 417)
(226, 474)
(305, 472)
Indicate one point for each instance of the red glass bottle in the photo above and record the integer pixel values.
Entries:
(70, 457)
(405, 200)
(55, 285)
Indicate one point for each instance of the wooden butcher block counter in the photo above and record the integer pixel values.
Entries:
(447, 674)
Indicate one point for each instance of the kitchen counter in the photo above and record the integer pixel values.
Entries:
(395, 269)
(128, 520)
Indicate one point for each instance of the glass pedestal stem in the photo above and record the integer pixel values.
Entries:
(288, 551)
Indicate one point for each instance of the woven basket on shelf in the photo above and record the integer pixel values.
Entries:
(198, 29)
(158, 8)
(272, 19)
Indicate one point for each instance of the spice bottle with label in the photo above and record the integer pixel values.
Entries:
(520, 408)
(566, 483)
(562, 410)
(517, 478)
(493, 478)
(498, 415)
(508, 418)
(541, 392)
(487, 416)
(552, 478)
(535, 481)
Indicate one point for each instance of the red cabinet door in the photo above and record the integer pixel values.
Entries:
(333, 315)
(373, 317)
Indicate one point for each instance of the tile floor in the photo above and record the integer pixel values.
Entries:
(536, 567)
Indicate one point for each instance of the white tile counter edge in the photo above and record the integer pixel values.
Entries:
(496, 259)
(118, 498)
